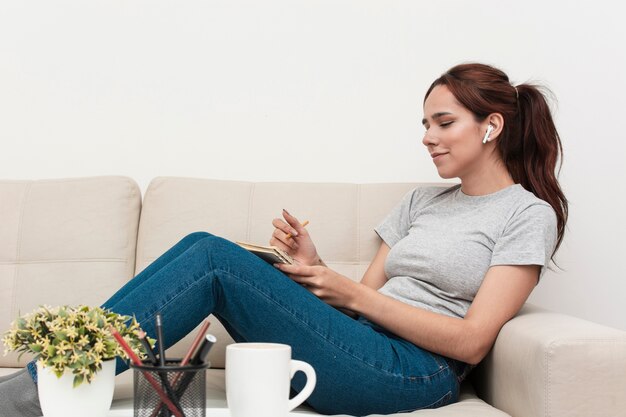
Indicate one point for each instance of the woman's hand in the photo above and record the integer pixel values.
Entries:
(300, 245)
(331, 287)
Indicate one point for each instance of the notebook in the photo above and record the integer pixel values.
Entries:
(270, 254)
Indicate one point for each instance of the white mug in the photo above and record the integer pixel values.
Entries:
(258, 377)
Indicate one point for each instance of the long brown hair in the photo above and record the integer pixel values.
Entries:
(529, 143)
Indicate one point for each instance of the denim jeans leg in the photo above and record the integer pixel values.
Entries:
(154, 267)
(360, 370)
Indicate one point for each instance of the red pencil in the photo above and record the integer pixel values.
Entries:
(196, 342)
(136, 361)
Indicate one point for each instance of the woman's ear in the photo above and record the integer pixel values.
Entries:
(494, 123)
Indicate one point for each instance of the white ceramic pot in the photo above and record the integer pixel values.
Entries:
(58, 397)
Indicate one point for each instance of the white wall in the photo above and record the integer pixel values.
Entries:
(326, 90)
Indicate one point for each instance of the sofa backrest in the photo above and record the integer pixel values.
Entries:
(342, 218)
(66, 241)
(73, 241)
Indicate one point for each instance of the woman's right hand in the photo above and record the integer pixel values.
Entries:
(299, 246)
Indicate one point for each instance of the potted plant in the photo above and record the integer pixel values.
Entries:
(75, 355)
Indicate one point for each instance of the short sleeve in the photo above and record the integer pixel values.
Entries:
(397, 223)
(529, 238)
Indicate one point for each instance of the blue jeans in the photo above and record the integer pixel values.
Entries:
(361, 369)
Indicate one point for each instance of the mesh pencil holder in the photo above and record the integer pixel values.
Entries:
(185, 386)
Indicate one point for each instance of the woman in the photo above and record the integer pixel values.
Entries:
(453, 265)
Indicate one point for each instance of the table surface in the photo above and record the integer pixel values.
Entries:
(210, 412)
(124, 408)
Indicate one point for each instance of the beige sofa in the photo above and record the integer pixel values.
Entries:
(76, 241)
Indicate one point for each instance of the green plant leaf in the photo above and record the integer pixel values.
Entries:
(21, 323)
(58, 359)
(61, 335)
(75, 365)
(35, 348)
(78, 379)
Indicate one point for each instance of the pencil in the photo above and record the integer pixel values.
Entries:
(303, 225)
(199, 338)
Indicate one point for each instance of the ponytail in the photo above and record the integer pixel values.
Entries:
(532, 160)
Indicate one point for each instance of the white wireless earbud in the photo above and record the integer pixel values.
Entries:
(489, 130)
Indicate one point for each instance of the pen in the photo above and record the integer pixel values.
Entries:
(303, 225)
(160, 339)
(204, 349)
(136, 361)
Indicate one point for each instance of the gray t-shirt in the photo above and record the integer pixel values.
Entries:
(443, 242)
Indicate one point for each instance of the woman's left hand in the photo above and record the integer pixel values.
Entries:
(331, 287)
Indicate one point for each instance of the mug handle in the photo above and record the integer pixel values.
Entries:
(311, 379)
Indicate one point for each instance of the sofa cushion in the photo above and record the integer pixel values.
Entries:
(343, 231)
(67, 241)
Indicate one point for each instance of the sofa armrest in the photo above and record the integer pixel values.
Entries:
(545, 364)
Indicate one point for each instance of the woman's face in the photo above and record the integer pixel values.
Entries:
(453, 136)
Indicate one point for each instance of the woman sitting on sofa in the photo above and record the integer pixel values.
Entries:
(454, 265)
